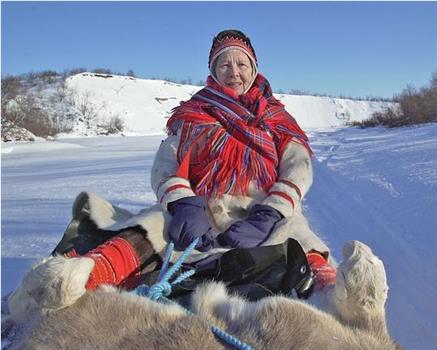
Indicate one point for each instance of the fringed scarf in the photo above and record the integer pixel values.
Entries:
(227, 140)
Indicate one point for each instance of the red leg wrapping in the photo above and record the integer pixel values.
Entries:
(324, 273)
(116, 262)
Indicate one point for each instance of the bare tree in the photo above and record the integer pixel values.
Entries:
(86, 110)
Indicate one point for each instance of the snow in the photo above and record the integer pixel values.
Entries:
(380, 186)
(144, 105)
(37, 146)
(314, 111)
(375, 185)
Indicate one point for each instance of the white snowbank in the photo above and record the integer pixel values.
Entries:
(145, 105)
(142, 104)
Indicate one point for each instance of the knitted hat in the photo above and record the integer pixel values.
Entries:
(231, 39)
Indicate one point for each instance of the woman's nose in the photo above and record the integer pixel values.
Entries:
(234, 71)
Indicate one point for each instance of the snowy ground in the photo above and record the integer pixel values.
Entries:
(376, 185)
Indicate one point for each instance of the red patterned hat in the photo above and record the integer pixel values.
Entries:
(231, 39)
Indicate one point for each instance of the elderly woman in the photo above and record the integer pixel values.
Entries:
(233, 171)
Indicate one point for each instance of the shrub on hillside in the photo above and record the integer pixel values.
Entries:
(22, 107)
(102, 71)
(69, 72)
(26, 112)
(14, 133)
(48, 76)
(389, 117)
(115, 125)
(11, 87)
(416, 107)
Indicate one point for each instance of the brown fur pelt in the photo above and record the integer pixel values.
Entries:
(108, 319)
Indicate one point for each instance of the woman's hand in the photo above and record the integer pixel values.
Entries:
(252, 231)
(189, 222)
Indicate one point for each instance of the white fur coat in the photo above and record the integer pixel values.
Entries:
(295, 167)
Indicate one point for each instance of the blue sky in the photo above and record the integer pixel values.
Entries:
(350, 48)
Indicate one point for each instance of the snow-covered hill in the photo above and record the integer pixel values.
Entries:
(144, 105)
(375, 185)
(89, 104)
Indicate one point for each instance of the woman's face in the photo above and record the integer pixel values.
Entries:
(234, 70)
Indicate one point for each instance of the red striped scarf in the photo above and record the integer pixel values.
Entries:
(229, 140)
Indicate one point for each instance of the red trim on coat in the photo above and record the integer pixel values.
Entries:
(172, 188)
(164, 180)
(292, 185)
(283, 195)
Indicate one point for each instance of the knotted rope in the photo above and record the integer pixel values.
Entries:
(162, 289)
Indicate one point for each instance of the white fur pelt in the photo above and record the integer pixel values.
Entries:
(108, 319)
(52, 284)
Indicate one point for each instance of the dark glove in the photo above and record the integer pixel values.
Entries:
(189, 222)
(252, 231)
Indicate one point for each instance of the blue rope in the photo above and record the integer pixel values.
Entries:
(167, 257)
(230, 339)
(163, 286)
(162, 289)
